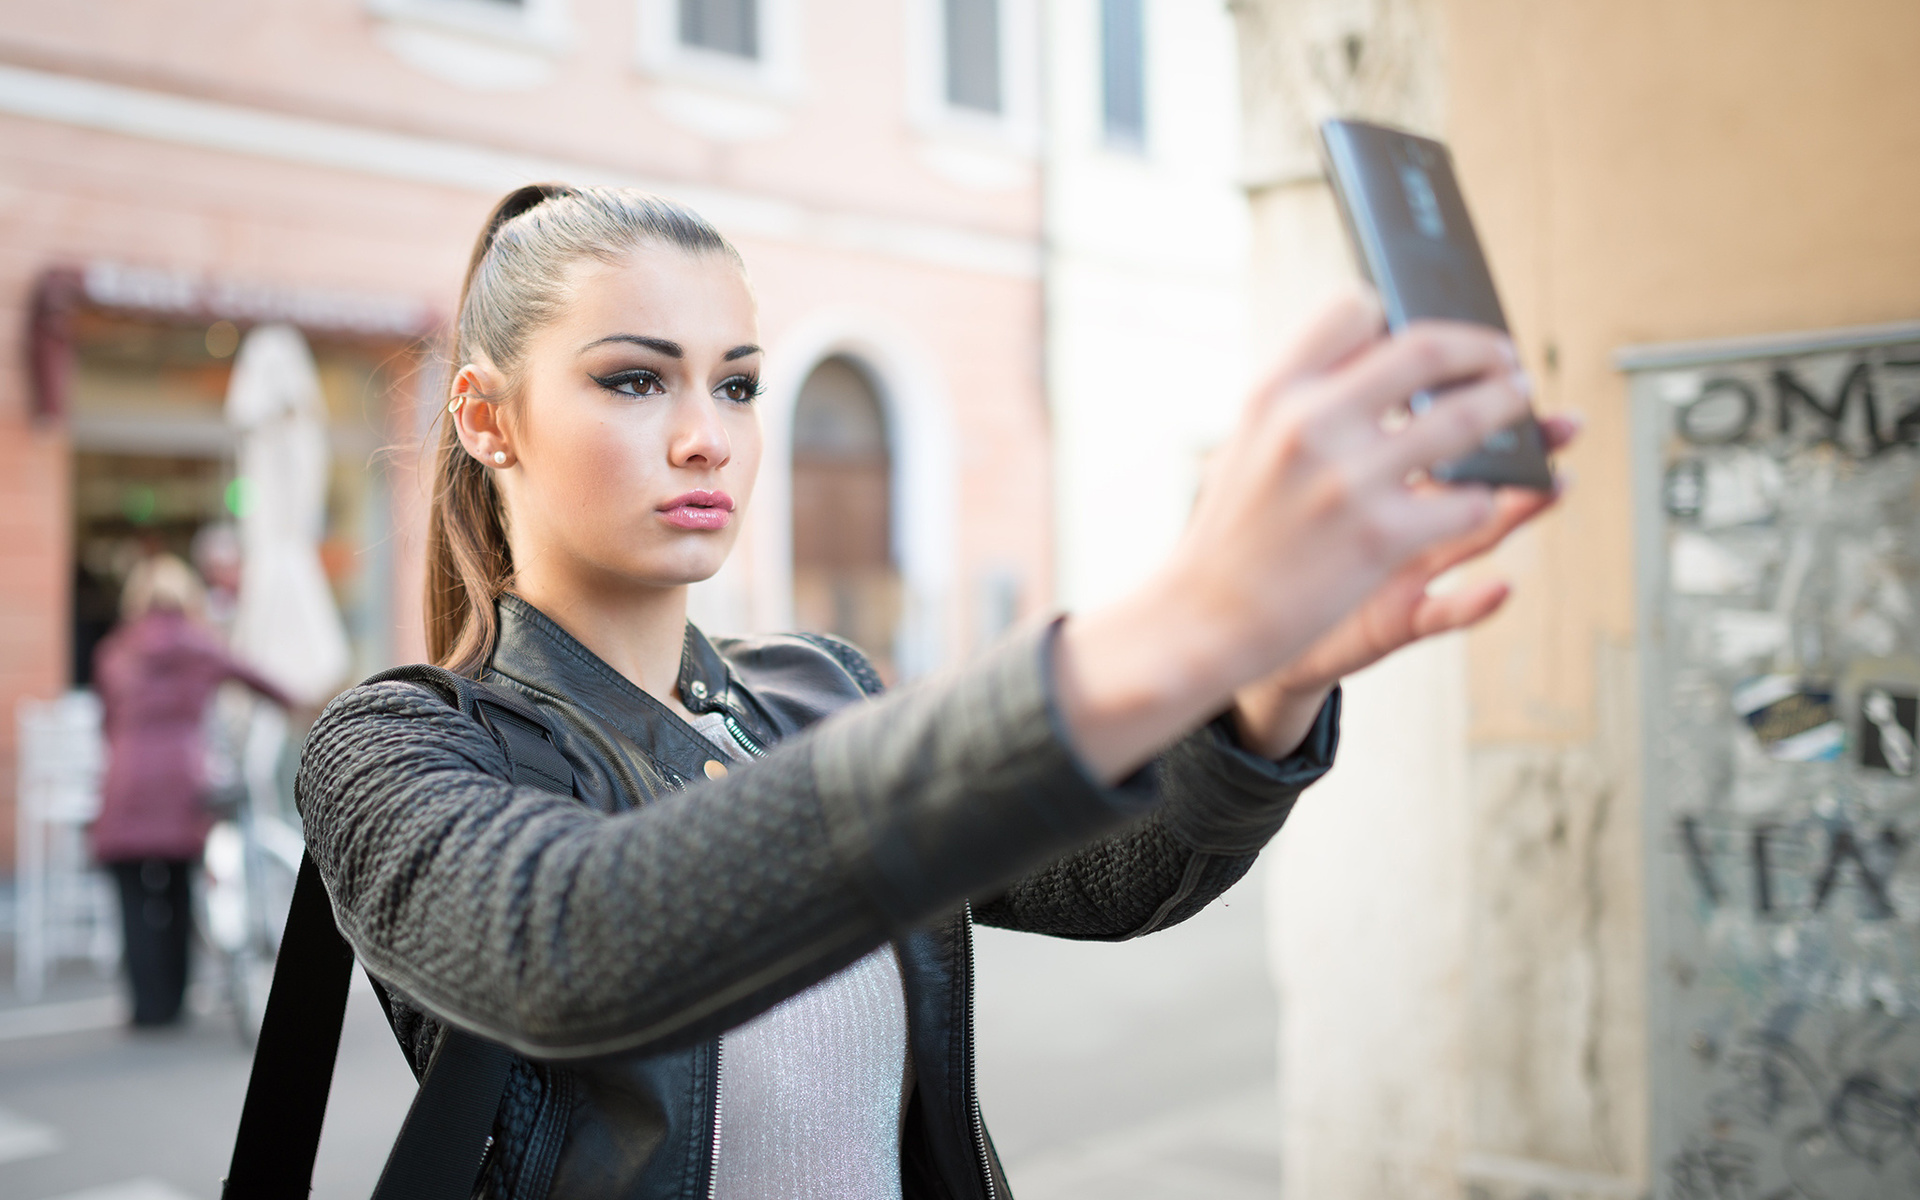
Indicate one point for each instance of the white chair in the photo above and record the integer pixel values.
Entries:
(63, 908)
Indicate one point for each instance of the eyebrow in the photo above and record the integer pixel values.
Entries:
(669, 348)
(664, 346)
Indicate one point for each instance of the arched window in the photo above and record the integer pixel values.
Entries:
(845, 581)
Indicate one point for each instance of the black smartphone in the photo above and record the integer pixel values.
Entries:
(1416, 245)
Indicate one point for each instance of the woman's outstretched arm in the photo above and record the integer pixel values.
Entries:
(1312, 507)
(1227, 788)
(563, 932)
(1219, 805)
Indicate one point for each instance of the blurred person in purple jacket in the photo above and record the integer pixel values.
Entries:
(156, 674)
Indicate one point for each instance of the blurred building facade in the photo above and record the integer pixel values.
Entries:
(174, 174)
(1616, 897)
(1146, 275)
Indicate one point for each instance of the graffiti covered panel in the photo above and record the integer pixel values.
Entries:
(1782, 687)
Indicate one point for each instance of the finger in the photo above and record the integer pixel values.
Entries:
(1420, 521)
(1559, 430)
(1456, 425)
(1427, 356)
(1341, 328)
(1512, 508)
(1459, 609)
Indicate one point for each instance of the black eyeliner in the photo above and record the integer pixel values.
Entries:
(632, 375)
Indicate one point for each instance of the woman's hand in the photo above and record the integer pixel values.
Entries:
(1309, 511)
(1272, 715)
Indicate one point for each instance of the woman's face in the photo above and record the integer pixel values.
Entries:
(634, 441)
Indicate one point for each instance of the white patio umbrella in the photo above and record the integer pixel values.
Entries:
(287, 624)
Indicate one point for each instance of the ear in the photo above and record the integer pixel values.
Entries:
(477, 421)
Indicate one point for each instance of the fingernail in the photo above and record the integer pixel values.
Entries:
(1563, 481)
(1512, 355)
(1577, 420)
(1522, 383)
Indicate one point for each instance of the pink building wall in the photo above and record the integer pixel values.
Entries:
(846, 207)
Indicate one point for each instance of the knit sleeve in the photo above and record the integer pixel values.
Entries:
(1218, 806)
(563, 932)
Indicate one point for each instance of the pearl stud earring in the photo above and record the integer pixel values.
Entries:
(499, 458)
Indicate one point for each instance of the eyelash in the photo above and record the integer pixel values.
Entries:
(621, 379)
(750, 383)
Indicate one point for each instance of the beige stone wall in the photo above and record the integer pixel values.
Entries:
(1652, 171)
(1641, 171)
(1555, 993)
(1368, 911)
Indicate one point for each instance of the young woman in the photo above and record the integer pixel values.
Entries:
(738, 963)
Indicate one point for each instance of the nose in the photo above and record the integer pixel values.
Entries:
(699, 438)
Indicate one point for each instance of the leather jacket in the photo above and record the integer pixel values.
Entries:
(611, 943)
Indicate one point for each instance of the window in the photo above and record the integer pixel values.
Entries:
(845, 581)
(726, 68)
(724, 26)
(432, 34)
(973, 54)
(1123, 75)
(973, 82)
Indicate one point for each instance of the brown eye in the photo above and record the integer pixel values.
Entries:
(741, 389)
(632, 383)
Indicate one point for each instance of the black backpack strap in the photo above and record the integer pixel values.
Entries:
(293, 1060)
(449, 1127)
(448, 1131)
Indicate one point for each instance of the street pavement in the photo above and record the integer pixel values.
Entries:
(1137, 1071)
(1140, 1070)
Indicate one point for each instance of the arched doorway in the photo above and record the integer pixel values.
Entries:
(845, 579)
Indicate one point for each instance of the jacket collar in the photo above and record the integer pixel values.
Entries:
(710, 683)
(531, 640)
(535, 653)
(704, 681)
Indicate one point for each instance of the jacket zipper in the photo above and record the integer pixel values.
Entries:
(713, 1158)
(720, 1043)
(973, 1090)
(740, 735)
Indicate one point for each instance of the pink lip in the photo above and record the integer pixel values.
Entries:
(698, 509)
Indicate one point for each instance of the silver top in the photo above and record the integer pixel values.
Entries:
(812, 1091)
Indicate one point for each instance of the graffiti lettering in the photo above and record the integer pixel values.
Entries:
(1697, 859)
(1844, 849)
(1728, 410)
(1709, 420)
(1762, 872)
(1845, 862)
(1792, 393)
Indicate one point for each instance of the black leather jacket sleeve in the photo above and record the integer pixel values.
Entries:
(1219, 805)
(562, 932)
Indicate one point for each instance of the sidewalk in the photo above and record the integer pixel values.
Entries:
(1134, 1071)
(1141, 1070)
(104, 1114)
